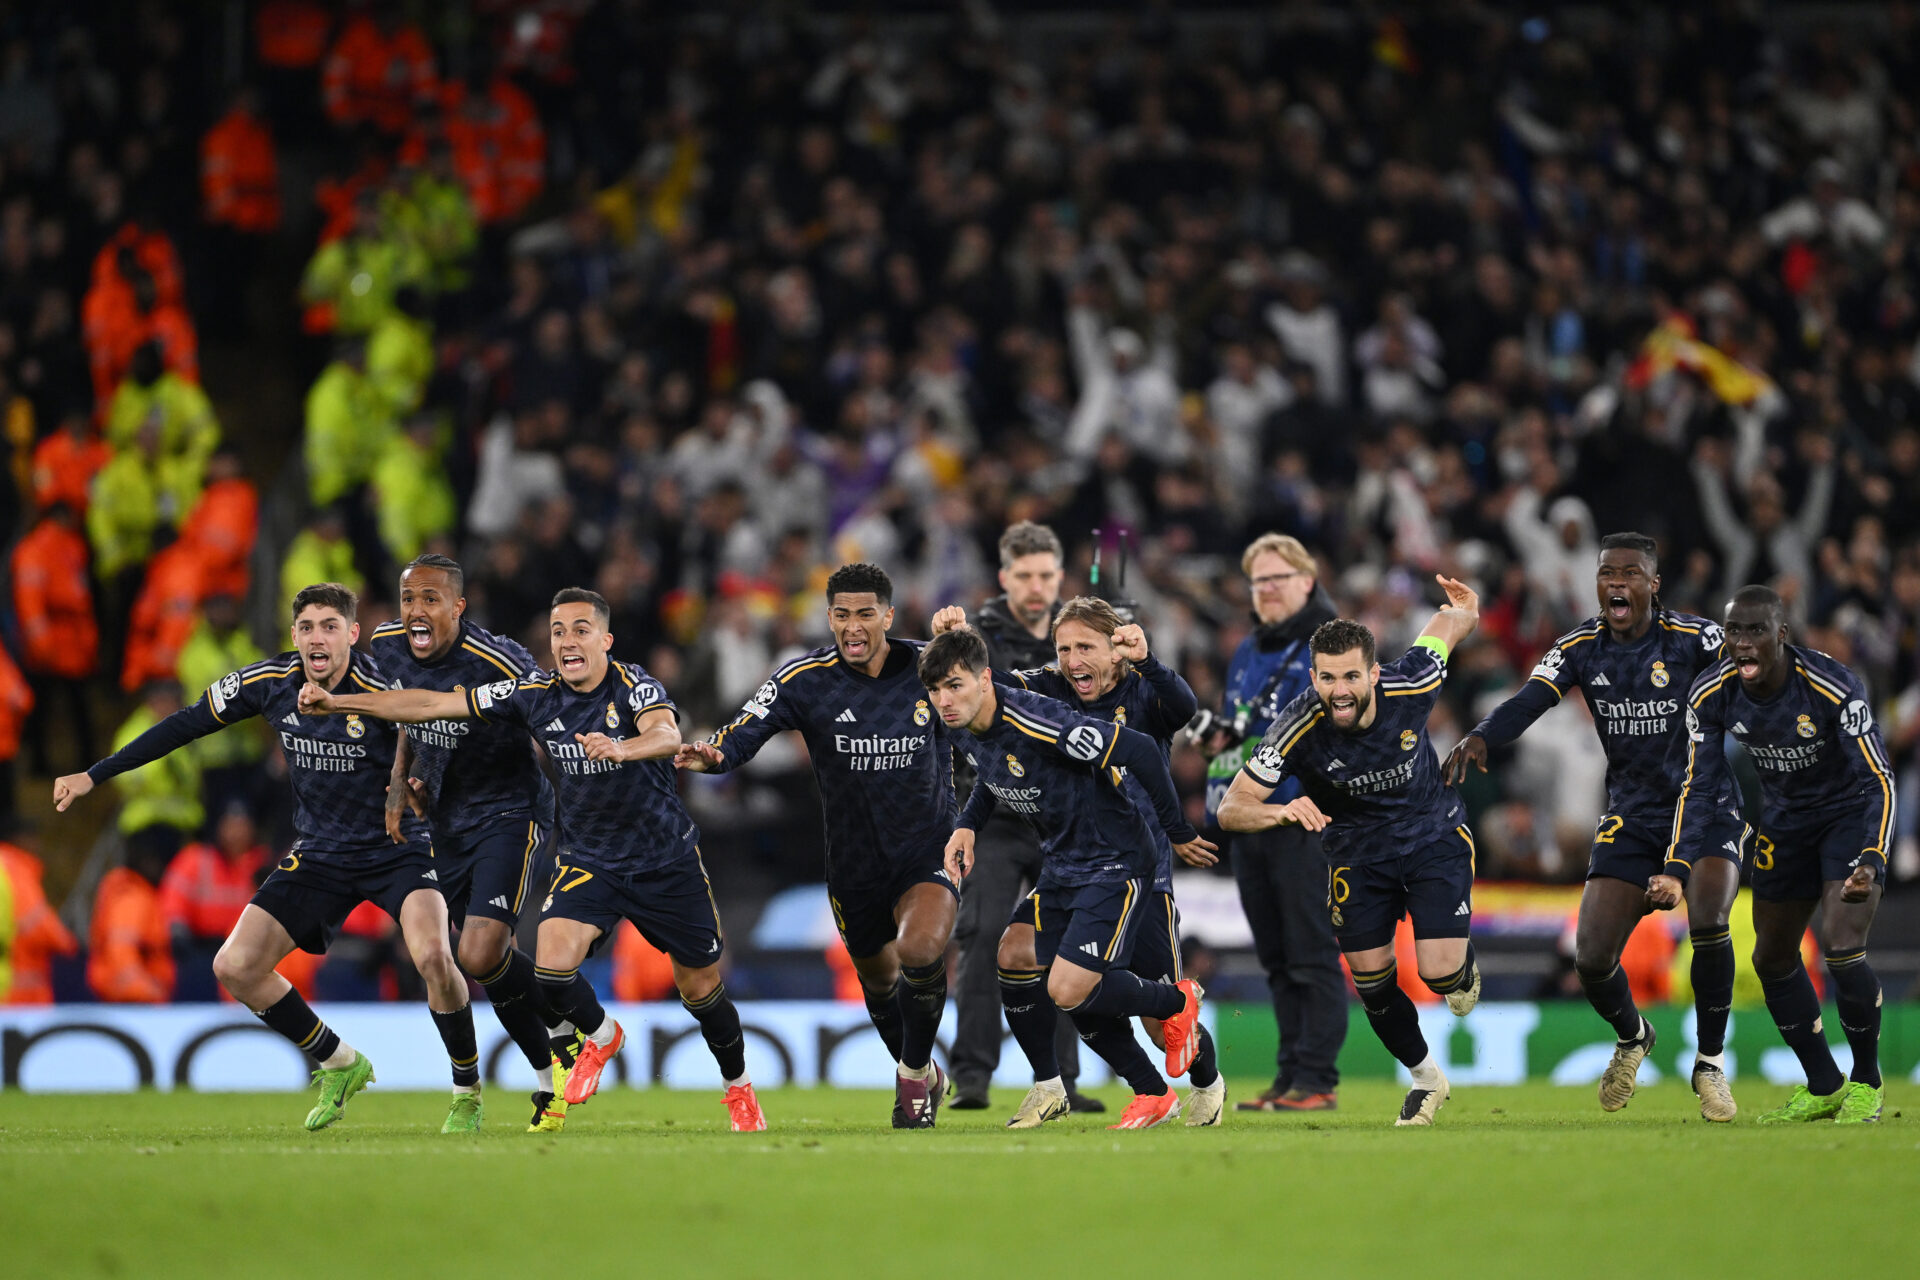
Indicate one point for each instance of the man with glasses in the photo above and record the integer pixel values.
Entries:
(1281, 872)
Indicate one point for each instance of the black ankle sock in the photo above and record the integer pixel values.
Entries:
(720, 1026)
(1206, 1061)
(301, 1026)
(569, 996)
(1395, 1021)
(511, 988)
(1122, 994)
(1612, 998)
(456, 1032)
(1796, 1011)
(1856, 993)
(923, 996)
(1112, 1038)
(888, 1018)
(1712, 971)
(1032, 1017)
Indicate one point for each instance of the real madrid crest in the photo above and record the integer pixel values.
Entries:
(1805, 726)
(355, 729)
(1338, 919)
(1660, 676)
(1119, 715)
(613, 716)
(1407, 738)
(920, 713)
(1014, 766)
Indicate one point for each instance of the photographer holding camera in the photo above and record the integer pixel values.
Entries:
(1281, 872)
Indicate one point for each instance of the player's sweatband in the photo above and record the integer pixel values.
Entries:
(1436, 644)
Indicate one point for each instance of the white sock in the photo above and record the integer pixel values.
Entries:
(1640, 1034)
(742, 1079)
(1427, 1075)
(566, 1029)
(545, 1077)
(341, 1057)
(916, 1073)
(1718, 1061)
(1053, 1084)
(603, 1034)
(473, 1089)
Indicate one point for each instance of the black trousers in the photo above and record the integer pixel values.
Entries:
(1282, 876)
(1006, 866)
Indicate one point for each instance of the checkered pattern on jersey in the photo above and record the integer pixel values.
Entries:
(621, 816)
(477, 774)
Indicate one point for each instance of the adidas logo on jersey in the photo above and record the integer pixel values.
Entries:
(502, 903)
(1336, 764)
(431, 875)
(290, 718)
(1600, 680)
(1739, 728)
(1463, 910)
(556, 726)
(845, 717)
(1091, 948)
(1732, 847)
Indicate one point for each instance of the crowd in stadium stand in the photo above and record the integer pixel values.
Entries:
(690, 312)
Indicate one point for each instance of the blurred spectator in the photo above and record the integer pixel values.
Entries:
(38, 935)
(60, 638)
(319, 553)
(129, 950)
(16, 704)
(208, 885)
(160, 802)
(379, 72)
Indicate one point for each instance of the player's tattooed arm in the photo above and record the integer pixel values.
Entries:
(403, 792)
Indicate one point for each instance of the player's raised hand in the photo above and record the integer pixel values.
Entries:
(1471, 749)
(959, 854)
(1664, 892)
(69, 788)
(1459, 594)
(698, 757)
(1198, 852)
(600, 747)
(1857, 887)
(315, 701)
(1131, 641)
(1305, 812)
(951, 618)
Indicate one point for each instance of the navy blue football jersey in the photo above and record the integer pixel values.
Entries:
(622, 816)
(1063, 771)
(1636, 693)
(883, 760)
(1814, 744)
(1151, 698)
(339, 766)
(477, 774)
(1381, 786)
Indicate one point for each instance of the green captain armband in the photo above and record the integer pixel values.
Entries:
(1436, 644)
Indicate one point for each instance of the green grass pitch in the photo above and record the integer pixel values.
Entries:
(1529, 1181)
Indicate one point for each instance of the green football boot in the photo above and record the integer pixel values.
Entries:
(464, 1115)
(336, 1086)
(1860, 1103)
(1804, 1105)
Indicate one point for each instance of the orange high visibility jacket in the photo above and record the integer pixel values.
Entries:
(222, 529)
(291, 33)
(130, 958)
(639, 971)
(204, 893)
(38, 935)
(152, 250)
(499, 148)
(371, 77)
(16, 704)
(116, 329)
(239, 177)
(163, 616)
(54, 603)
(64, 467)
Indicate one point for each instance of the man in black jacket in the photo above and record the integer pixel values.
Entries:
(1018, 628)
